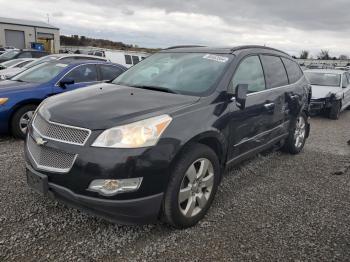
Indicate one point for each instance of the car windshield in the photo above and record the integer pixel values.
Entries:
(11, 62)
(41, 60)
(9, 55)
(184, 73)
(323, 79)
(41, 73)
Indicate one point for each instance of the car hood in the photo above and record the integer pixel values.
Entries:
(104, 106)
(9, 86)
(319, 92)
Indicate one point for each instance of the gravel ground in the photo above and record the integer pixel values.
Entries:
(273, 207)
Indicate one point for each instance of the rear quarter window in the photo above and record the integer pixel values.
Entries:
(293, 70)
(275, 73)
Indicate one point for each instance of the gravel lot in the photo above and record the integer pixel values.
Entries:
(273, 207)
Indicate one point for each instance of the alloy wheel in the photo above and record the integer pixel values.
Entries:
(196, 187)
(24, 121)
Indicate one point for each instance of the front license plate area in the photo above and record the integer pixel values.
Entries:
(38, 182)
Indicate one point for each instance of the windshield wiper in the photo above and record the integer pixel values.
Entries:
(156, 88)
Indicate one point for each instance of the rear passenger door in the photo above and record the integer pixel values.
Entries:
(277, 84)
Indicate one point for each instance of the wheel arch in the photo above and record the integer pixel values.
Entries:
(19, 105)
(213, 139)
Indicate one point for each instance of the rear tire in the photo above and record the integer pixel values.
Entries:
(21, 119)
(335, 110)
(297, 137)
(190, 191)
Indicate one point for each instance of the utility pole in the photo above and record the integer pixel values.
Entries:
(48, 18)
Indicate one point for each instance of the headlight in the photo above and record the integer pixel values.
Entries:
(3, 77)
(3, 100)
(143, 133)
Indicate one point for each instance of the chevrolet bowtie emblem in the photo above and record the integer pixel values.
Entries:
(39, 141)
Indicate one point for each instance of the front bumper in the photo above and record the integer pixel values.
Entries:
(318, 106)
(136, 211)
(4, 121)
(90, 163)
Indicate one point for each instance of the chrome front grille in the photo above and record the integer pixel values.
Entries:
(50, 159)
(60, 132)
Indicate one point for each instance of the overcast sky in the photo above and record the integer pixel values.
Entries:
(288, 25)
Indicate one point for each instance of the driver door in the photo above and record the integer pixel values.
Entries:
(82, 75)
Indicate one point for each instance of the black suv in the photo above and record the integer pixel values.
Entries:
(154, 143)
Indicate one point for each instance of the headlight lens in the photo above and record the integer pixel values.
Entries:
(3, 77)
(3, 100)
(143, 133)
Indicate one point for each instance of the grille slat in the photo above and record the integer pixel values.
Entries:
(59, 132)
(50, 159)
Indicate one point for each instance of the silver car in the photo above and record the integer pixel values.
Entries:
(6, 74)
(330, 91)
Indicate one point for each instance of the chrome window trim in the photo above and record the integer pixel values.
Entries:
(63, 125)
(47, 168)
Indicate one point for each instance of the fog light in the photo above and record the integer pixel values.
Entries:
(111, 187)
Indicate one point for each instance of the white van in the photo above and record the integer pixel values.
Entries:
(125, 58)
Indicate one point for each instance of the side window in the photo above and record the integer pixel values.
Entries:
(25, 55)
(135, 59)
(275, 72)
(348, 77)
(109, 72)
(249, 72)
(38, 54)
(293, 70)
(128, 60)
(345, 80)
(84, 73)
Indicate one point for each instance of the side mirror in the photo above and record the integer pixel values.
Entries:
(65, 82)
(241, 95)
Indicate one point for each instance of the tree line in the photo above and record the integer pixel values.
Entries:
(324, 54)
(76, 40)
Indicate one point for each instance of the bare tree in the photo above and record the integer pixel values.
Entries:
(343, 57)
(324, 55)
(304, 54)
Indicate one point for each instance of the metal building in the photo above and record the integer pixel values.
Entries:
(22, 33)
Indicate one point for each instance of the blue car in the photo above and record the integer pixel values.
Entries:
(20, 96)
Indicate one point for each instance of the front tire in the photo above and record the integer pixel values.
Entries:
(334, 112)
(192, 186)
(297, 137)
(21, 119)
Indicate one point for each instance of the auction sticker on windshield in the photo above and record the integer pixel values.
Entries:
(216, 58)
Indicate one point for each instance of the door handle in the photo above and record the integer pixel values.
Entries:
(270, 106)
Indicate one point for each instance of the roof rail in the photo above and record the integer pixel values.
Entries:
(256, 46)
(184, 46)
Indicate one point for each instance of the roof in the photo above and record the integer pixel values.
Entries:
(218, 50)
(326, 71)
(83, 62)
(12, 21)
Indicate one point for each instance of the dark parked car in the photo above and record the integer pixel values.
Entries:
(154, 143)
(20, 95)
(15, 54)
